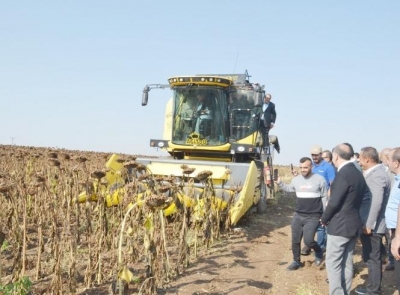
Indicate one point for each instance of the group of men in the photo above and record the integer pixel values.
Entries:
(341, 198)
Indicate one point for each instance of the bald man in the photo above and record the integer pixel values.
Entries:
(342, 216)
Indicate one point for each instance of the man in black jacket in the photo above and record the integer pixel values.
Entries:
(343, 220)
(267, 120)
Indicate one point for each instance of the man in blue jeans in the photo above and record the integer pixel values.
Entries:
(328, 172)
(310, 191)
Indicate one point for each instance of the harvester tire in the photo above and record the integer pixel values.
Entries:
(262, 203)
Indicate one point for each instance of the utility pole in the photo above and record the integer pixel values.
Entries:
(12, 140)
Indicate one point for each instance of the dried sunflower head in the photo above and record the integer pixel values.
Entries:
(53, 155)
(121, 160)
(183, 167)
(203, 175)
(130, 164)
(159, 178)
(237, 188)
(81, 159)
(54, 162)
(39, 178)
(98, 174)
(158, 202)
(141, 167)
(170, 179)
(144, 177)
(188, 170)
(66, 156)
(4, 187)
(164, 188)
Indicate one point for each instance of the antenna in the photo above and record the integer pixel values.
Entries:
(237, 57)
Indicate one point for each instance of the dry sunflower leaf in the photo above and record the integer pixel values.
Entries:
(126, 275)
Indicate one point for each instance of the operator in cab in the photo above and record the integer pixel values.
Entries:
(204, 115)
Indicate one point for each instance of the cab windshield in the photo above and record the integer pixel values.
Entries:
(201, 116)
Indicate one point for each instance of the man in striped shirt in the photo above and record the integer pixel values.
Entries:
(311, 192)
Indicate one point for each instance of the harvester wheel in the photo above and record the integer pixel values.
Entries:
(262, 203)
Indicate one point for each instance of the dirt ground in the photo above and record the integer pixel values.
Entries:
(253, 260)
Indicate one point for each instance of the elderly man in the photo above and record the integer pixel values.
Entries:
(327, 156)
(267, 120)
(343, 220)
(378, 183)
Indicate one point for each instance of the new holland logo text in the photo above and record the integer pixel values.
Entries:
(194, 139)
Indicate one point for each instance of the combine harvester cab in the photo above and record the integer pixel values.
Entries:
(211, 124)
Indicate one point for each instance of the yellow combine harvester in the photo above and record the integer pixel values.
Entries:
(211, 123)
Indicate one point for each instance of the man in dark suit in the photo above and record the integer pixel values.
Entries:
(267, 120)
(378, 183)
(342, 219)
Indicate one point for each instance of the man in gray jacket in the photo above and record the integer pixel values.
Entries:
(378, 183)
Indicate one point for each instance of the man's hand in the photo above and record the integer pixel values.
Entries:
(323, 224)
(366, 231)
(295, 173)
(278, 181)
(395, 248)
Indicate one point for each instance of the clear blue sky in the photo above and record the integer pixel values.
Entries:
(72, 72)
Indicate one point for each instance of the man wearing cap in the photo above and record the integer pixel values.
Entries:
(322, 167)
(327, 171)
(267, 120)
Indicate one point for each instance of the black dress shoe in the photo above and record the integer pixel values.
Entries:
(305, 251)
(389, 266)
(295, 265)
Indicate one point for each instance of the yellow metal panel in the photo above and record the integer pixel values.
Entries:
(222, 148)
(246, 197)
(226, 160)
(174, 168)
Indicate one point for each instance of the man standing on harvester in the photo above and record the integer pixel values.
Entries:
(267, 120)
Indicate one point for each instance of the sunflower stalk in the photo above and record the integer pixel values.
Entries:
(163, 230)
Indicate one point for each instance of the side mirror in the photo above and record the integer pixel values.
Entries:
(145, 95)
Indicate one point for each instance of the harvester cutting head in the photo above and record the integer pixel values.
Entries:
(188, 183)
